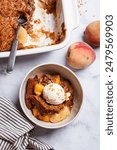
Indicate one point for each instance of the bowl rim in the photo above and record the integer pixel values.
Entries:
(30, 118)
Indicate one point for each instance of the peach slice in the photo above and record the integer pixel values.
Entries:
(35, 111)
(22, 35)
(38, 89)
(60, 116)
(80, 55)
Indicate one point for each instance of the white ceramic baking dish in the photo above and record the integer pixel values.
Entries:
(71, 21)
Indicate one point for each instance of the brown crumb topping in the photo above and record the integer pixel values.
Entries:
(9, 13)
(48, 5)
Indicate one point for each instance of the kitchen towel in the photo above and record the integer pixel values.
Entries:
(15, 130)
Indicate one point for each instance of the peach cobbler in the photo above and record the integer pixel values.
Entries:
(38, 31)
(9, 13)
(49, 97)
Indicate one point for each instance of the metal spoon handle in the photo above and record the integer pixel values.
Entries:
(12, 56)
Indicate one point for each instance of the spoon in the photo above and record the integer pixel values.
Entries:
(22, 20)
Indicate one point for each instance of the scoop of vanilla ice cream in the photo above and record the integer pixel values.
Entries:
(54, 94)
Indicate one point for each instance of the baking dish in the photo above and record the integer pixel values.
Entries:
(71, 21)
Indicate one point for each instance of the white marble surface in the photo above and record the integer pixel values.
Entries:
(83, 133)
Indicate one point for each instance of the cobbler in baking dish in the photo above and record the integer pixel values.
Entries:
(9, 13)
(41, 28)
(49, 97)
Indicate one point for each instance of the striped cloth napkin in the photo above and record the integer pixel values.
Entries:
(14, 130)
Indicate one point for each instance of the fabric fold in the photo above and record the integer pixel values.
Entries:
(14, 129)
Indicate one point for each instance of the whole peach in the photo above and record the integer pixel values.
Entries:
(92, 33)
(80, 55)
